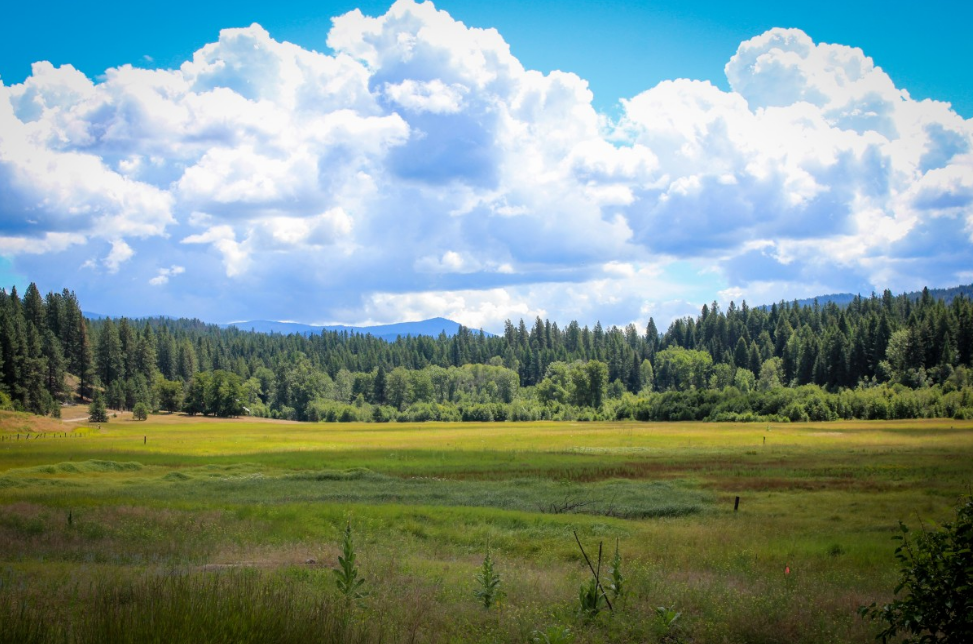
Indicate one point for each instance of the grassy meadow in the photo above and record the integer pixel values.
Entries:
(189, 529)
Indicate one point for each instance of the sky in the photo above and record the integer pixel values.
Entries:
(366, 162)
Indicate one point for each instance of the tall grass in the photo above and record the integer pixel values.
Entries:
(204, 532)
(239, 606)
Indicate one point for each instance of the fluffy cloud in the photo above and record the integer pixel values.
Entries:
(165, 273)
(419, 169)
(120, 253)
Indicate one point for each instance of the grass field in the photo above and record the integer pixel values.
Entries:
(183, 529)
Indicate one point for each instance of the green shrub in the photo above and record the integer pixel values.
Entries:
(937, 575)
(140, 411)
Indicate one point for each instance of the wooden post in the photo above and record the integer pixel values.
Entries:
(736, 504)
(145, 439)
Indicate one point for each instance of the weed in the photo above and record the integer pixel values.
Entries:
(555, 634)
(617, 581)
(667, 616)
(347, 573)
(489, 591)
(590, 598)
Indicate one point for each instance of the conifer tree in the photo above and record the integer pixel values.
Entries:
(96, 410)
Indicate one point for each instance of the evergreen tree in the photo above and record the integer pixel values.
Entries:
(145, 354)
(96, 410)
(378, 386)
(34, 311)
(55, 362)
(109, 356)
(37, 399)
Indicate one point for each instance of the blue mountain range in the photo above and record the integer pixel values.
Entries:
(389, 332)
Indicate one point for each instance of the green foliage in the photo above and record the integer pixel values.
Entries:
(140, 411)
(96, 410)
(771, 374)
(215, 393)
(555, 634)
(667, 617)
(937, 575)
(681, 369)
(583, 384)
(616, 581)
(488, 589)
(881, 357)
(591, 600)
(169, 394)
(350, 583)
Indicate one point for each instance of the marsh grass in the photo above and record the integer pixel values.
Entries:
(236, 606)
(221, 517)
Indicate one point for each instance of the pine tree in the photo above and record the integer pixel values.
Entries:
(96, 410)
(34, 312)
(36, 398)
(55, 362)
(110, 359)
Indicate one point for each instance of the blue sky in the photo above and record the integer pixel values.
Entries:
(403, 163)
(620, 47)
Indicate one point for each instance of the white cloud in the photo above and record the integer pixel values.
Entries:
(164, 274)
(50, 242)
(432, 96)
(236, 255)
(481, 309)
(422, 166)
(119, 254)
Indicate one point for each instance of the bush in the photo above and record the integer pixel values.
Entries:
(478, 414)
(140, 411)
(937, 574)
(383, 414)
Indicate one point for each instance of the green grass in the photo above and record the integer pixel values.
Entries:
(134, 518)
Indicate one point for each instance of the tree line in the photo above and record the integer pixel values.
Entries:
(721, 363)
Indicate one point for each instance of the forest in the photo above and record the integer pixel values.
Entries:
(877, 357)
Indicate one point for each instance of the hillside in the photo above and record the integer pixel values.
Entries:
(947, 295)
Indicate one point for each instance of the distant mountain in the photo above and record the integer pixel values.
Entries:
(389, 332)
(844, 299)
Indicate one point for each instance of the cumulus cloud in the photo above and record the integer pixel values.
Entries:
(236, 255)
(164, 274)
(119, 254)
(419, 169)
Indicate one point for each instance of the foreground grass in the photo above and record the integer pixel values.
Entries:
(130, 520)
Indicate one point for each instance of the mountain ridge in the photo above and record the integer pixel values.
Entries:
(947, 294)
(431, 327)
